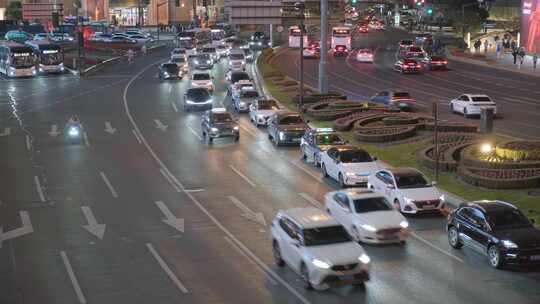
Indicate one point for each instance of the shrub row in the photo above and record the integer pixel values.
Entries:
(470, 157)
(500, 178)
(519, 150)
(384, 135)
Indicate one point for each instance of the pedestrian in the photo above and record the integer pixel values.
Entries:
(535, 59)
(521, 54)
(486, 45)
(477, 45)
(144, 49)
(498, 50)
(514, 55)
(513, 45)
(496, 38)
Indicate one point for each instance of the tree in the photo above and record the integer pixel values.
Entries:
(14, 10)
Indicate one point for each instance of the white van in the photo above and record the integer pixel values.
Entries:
(237, 60)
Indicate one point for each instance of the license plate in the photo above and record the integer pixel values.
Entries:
(429, 206)
(347, 278)
(296, 139)
(535, 257)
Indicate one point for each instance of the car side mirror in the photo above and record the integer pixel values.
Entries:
(295, 243)
(375, 158)
(434, 183)
(390, 187)
(308, 121)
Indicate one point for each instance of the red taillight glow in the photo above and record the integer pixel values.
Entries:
(418, 66)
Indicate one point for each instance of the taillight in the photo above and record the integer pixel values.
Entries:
(418, 66)
(445, 62)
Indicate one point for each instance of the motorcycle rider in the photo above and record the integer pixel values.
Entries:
(73, 121)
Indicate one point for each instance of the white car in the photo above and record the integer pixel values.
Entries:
(202, 80)
(261, 110)
(178, 52)
(310, 53)
(349, 165)
(408, 189)
(364, 55)
(368, 216)
(472, 104)
(211, 51)
(141, 38)
(222, 50)
(318, 248)
(237, 61)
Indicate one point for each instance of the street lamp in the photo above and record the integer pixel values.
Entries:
(300, 7)
(463, 6)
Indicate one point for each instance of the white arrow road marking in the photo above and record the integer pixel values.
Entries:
(252, 184)
(136, 136)
(166, 268)
(257, 217)
(73, 278)
(6, 132)
(54, 131)
(311, 200)
(28, 143)
(108, 184)
(174, 107)
(39, 189)
(85, 137)
(170, 219)
(93, 227)
(160, 125)
(25, 229)
(108, 128)
(235, 247)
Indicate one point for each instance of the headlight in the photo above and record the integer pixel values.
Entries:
(408, 200)
(259, 43)
(208, 61)
(281, 135)
(34, 72)
(404, 224)
(242, 104)
(214, 130)
(364, 258)
(509, 244)
(208, 101)
(320, 264)
(442, 198)
(189, 101)
(166, 74)
(236, 128)
(196, 61)
(73, 132)
(369, 228)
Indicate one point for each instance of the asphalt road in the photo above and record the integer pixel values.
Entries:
(517, 95)
(183, 219)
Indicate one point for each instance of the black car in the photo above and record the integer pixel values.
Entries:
(217, 123)
(286, 128)
(170, 70)
(498, 230)
(197, 98)
(236, 76)
(316, 141)
(258, 41)
(435, 63)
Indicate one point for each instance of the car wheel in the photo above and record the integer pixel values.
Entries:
(270, 137)
(237, 138)
(453, 238)
(494, 256)
(323, 168)
(341, 181)
(304, 156)
(465, 113)
(278, 260)
(397, 205)
(452, 108)
(305, 277)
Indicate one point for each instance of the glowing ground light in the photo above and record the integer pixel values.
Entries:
(486, 148)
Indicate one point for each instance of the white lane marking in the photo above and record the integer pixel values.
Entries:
(416, 236)
(248, 131)
(311, 200)
(308, 172)
(195, 201)
(54, 131)
(160, 125)
(73, 278)
(252, 184)
(98, 230)
(136, 136)
(86, 141)
(257, 217)
(174, 107)
(26, 228)
(170, 219)
(28, 143)
(168, 178)
(108, 183)
(109, 128)
(194, 132)
(39, 189)
(235, 247)
(195, 190)
(6, 132)
(166, 268)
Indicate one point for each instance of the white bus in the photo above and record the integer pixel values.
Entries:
(341, 35)
(48, 55)
(294, 37)
(217, 36)
(17, 60)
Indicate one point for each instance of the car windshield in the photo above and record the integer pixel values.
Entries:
(437, 58)
(371, 204)
(409, 62)
(291, 120)
(414, 180)
(178, 60)
(508, 219)
(481, 99)
(179, 51)
(415, 49)
(201, 76)
(239, 76)
(222, 117)
(236, 56)
(250, 94)
(267, 105)
(170, 67)
(203, 57)
(402, 95)
(354, 156)
(406, 42)
(198, 94)
(328, 139)
(325, 236)
(209, 50)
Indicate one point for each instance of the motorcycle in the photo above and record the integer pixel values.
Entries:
(73, 133)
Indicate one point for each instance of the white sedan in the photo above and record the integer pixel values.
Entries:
(367, 216)
(202, 80)
(472, 104)
(261, 110)
(364, 55)
(348, 165)
(408, 189)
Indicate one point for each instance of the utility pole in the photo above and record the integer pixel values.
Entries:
(300, 7)
(463, 6)
(323, 78)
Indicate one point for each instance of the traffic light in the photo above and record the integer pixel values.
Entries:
(430, 11)
(353, 1)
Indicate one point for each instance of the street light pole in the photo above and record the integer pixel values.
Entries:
(323, 79)
(300, 6)
(463, 6)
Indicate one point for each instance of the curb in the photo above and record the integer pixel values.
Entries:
(485, 64)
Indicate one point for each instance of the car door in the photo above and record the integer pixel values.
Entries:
(333, 164)
(480, 231)
(463, 102)
(293, 249)
(252, 111)
(271, 127)
(465, 225)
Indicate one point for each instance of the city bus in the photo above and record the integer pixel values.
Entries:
(294, 37)
(341, 35)
(17, 60)
(217, 36)
(48, 56)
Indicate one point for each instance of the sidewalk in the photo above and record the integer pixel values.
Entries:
(506, 62)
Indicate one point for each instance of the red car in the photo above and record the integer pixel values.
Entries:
(407, 66)
(340, 50)
(364, 29)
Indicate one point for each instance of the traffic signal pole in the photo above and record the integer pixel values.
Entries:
(323, 61)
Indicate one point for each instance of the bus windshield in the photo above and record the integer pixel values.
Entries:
(295, 32)
(50, 57)
(22, 60)
(341, 32)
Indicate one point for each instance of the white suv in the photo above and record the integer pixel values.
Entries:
(317, 247)
(348, 165)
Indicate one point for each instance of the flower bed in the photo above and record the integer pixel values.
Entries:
(500, 179)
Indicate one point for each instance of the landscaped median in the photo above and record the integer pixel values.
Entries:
(406, 139)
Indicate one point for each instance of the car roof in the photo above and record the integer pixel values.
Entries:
(400, 171)
(310, 217)
(490, 206)
(218, 110)
(348, 148)
(358, 193)
(476, 95)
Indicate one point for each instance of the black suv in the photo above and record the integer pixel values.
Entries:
(217, 123)
(496, 229)
(286, 128)
(259, 41)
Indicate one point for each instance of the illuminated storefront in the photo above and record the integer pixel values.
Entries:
(530, 26)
